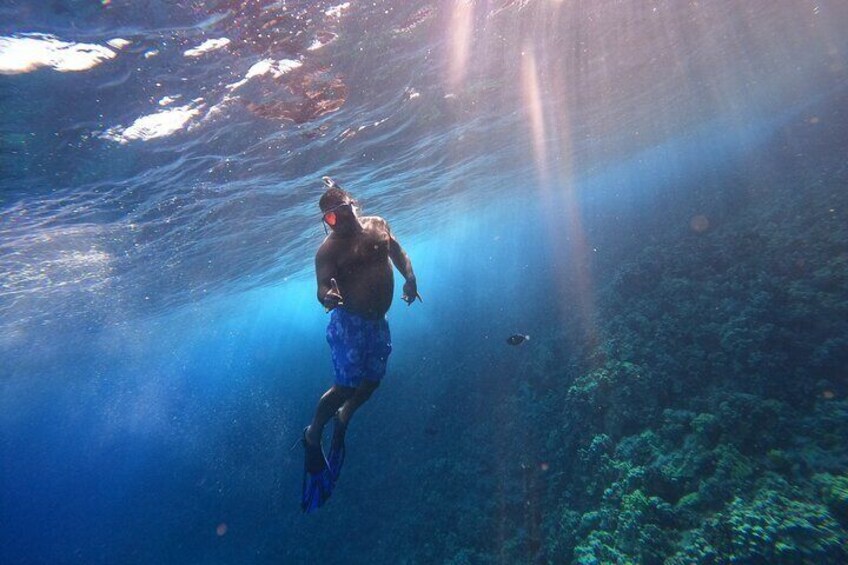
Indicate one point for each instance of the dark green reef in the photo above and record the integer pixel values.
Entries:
(705, 422)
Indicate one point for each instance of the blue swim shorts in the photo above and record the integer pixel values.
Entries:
(360, 347)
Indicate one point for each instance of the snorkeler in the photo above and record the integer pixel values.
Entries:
(355, 284)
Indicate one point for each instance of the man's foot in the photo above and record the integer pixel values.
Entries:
(315, 461)
(310, 435)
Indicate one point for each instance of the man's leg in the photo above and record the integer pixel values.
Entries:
(336, 455)
(327, 406)
(360, 395)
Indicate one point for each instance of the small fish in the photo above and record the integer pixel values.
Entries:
(517, 339)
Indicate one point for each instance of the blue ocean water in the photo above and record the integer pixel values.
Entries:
(566, 170)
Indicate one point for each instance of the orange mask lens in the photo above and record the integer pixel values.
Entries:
(330, 218)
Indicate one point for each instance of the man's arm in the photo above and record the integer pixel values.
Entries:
(325, 273)
(404, 265)
(399, 257)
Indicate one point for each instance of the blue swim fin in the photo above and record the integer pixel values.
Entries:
(317, 478)
(335, 458)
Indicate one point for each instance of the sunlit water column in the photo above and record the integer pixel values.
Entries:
(546, 104)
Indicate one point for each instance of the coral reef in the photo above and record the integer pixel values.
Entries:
(710, 422)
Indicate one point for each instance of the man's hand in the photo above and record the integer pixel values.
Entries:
(333, 297)
(410, 292)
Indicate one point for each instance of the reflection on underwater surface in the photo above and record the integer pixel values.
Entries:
(656, 193)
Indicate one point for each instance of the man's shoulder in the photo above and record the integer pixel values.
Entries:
(326, 246)
(375, 221)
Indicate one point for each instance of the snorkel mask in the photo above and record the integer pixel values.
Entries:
(330, 217)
